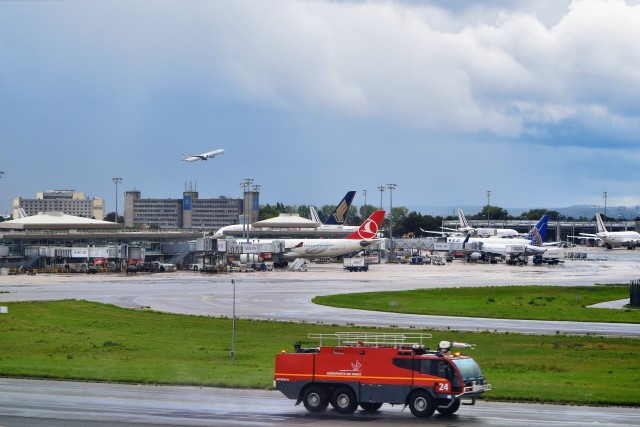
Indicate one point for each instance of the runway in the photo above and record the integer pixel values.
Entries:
(63, 404)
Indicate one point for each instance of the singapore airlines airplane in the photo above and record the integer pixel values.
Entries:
(629, 239)
(203, 156)
(362, 238)
(334, 221)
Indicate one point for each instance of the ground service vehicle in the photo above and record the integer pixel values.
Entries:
(355, 264)
(369, 369)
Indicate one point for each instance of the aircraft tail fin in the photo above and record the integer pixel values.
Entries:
(369, 227)
(314, 215)
(538, 232)
(463, 221)
(601, 228)
(339, 214)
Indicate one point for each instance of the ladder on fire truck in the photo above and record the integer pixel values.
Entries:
(372, 339)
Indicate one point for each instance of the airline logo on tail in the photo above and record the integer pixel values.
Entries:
(339, 215)
(370, 227)
(463, 221)
(600, 224)
(538, 232)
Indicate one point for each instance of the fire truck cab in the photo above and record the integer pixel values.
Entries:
(369, 369)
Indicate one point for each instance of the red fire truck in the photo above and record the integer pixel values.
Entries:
(369, 369)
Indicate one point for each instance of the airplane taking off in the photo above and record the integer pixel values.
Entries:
(611, 239)
(362, 238)
(513, 250)
(203, 156)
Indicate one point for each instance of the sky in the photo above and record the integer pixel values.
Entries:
(533, 100)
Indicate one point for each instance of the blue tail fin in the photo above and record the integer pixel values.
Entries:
(339, 214)
(538, 233)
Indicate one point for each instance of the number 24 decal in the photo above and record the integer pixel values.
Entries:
(443, 387)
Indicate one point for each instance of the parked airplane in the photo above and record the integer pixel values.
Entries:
(362, 238)
(515, 251)
(204, 156)
(611, 239)
(466, 229)
(483, 232)
(334, 221)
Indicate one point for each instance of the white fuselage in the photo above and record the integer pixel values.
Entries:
(620, 238)
(319, 248)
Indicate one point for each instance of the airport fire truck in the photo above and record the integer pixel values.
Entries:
(369, 369)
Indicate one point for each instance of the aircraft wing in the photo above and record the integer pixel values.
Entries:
(593, 236)
(443, 233)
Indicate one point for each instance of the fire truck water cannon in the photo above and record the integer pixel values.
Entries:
(351, 369)
(446, 346)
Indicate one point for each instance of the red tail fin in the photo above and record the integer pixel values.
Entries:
(369, 228)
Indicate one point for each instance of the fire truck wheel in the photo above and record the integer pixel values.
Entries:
(315, 399)
(422, 404)
(344, 400)
(451, 409)
(370, 407)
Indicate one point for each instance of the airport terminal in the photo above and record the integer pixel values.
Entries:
(57, 231)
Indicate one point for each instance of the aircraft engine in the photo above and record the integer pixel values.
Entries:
(475, 256)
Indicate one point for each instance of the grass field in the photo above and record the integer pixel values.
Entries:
(504, 302)
(88, 341)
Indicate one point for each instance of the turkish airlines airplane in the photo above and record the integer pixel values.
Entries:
(629, 239)
(203, 156)
(362, 238)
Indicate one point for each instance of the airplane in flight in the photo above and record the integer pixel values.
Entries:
(514, 250)
(204, 156)
(466, 229)
(611, 239)
(363, 237)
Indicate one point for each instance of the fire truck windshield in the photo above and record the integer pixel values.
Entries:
(469, 369)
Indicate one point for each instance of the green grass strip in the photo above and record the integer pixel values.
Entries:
(503, 302)
(79, 340)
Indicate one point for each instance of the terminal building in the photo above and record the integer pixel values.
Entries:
(69, 202)
(55, 232)
(189, 212)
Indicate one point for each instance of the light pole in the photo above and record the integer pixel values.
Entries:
(391, 187)
(245, 184)
(365, 197)
(488, 207)
(233, 325)
(381, 188)
(117, 181)
(604, 194)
